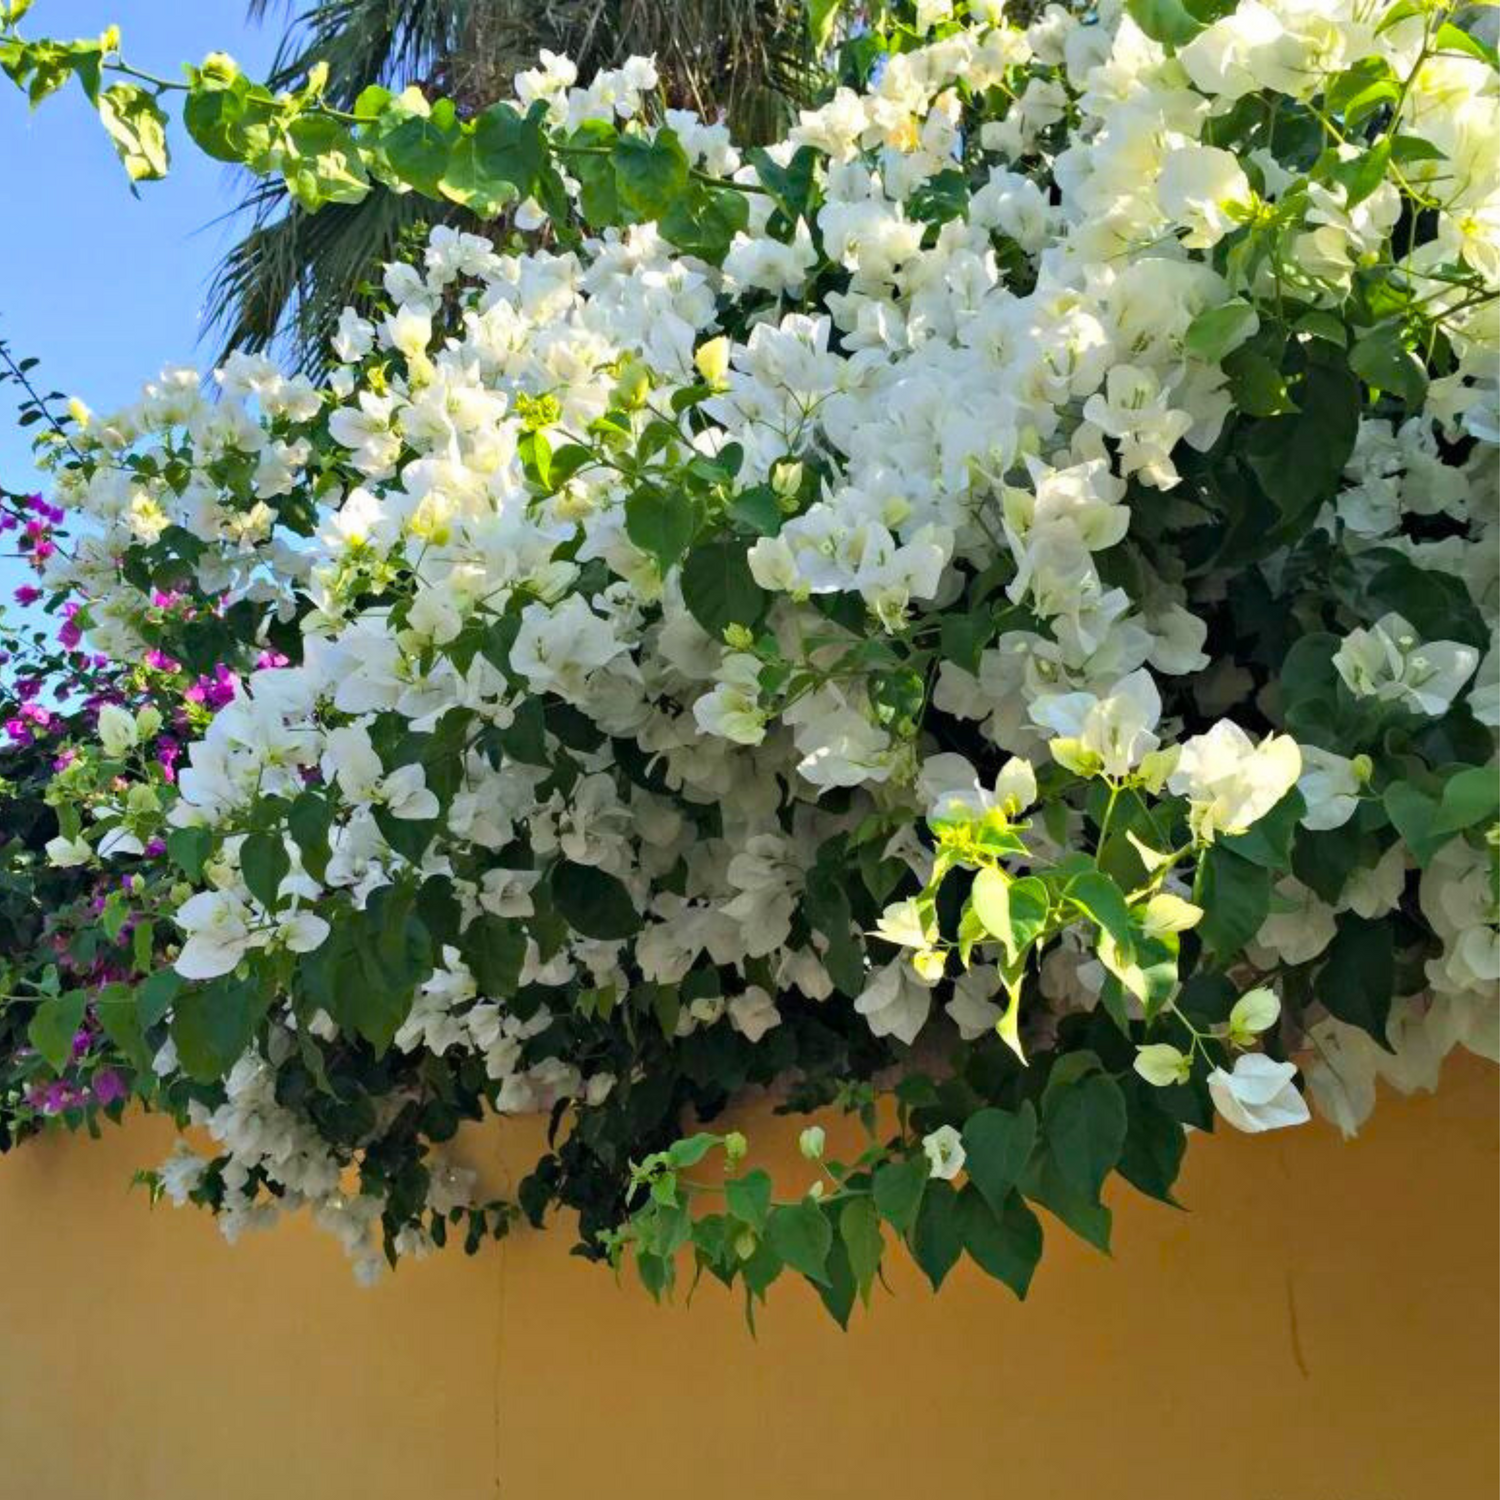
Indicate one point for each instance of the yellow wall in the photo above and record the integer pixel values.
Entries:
(1321, 1326)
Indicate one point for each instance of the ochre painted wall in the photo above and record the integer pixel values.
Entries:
(1320, 1326)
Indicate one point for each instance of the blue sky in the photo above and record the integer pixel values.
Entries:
(102, 287)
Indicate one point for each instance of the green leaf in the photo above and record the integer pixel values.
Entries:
(964, 637)
(837, 1295)
(1167, 21)
(1086, 1217)
(188, 849)
(898, 1188)
(409, 837)
(321, 163)
(154, 995)
(1235, 896)
(1415, 815)
(821, 15)
(308, 820)
(938, 1239)
(719, 589)
(864, 1242)
(54, 1026)
(1381, 359)
(1358, 175)
(119, 1015)
(1154, 1142)
(801, 1236)
(599, 194)
(264, 864)
(1324, 859)
(1257, 385)
(1470, 796)
(757, 509)
(213, 1025)
(1357, 92)
(417, 151)
(1299, 458)
(366, 973)
(689, 1151)
(749, 1198)
(1451, 38)
(826, 904)
(1103, 903)
(1014, 911)
(230, 121)
(705, 220)
(494, 948)
(650, 174)
(1084, 1124)
(1005, 1244)
(997, 1147)
(506, 156)
(138, 128)
(1217, 331)
(1358, 976)
(594, 903)
(1268, 842)
(661, 524)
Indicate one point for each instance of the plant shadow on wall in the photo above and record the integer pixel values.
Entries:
(987, 602)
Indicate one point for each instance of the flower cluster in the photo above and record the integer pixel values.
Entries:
(1010, 600)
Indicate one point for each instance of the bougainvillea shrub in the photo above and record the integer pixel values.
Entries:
(991, 601)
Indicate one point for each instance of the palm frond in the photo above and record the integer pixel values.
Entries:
(749, 62)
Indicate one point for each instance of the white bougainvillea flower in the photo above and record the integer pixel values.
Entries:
(1389, 662)
(955, 795)
(1230, 781)
(733, 710)
(944, 1148)
(753, 1013)
(557, 648)
(117, 730)
(217, 925)
(1167, 913)
(1258, 1095)
(300, 931)
(1204, 190)
(895, 1002)
(350, 759)
(1161, 1064)
(1103, 736)
(65, 853)
(1330, 786)
(1255, 1011)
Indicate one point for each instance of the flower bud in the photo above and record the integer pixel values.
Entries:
(735, 1146)
(1255, 1011)
(117, 730)
(1161, 1064)
(633, 385)
(929, 964)
(712, 360)
(219, 67)
(810, 1142)
(786, 478)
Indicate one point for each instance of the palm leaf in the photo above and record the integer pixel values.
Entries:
(286, 280)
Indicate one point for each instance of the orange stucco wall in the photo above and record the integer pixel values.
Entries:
(1320, 1326)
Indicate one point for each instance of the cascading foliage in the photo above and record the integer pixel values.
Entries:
(991, 601)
